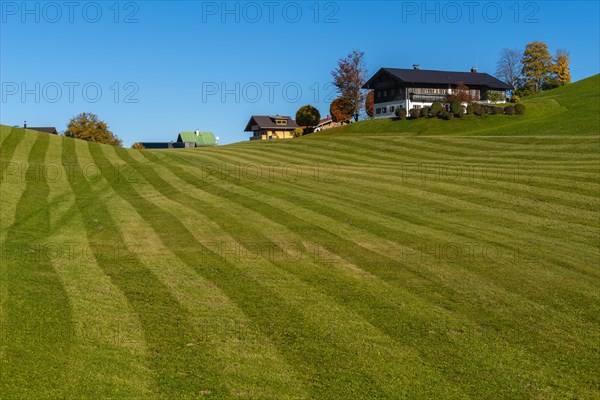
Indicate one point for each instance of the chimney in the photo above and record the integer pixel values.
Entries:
(474, 70)
(416, 66)
(197, 132)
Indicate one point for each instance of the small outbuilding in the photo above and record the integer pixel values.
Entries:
(197, 139)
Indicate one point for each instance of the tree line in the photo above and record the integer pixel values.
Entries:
(534, 69)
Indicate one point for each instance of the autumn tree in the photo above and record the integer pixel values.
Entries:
(308, 116)
(87, 126)
(460, 93)
(561, 67)
(341, 110)
(509, 67)
(370, 103)
(537, 66)
(349, 78)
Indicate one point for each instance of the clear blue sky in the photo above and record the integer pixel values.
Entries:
(172, 61)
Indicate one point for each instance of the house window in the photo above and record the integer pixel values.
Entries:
(378, 111)
(281, 122)
(383, 110)
(417, 106)
(392, 109)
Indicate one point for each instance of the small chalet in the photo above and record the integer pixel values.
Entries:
(271, 127)
(416, 88)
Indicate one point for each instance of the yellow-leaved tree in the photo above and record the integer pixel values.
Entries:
(561, 67)
(537, 66)
(87, 126)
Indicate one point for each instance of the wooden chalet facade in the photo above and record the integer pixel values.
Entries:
(265, 127)
(416, 88)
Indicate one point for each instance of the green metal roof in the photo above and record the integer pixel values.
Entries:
(202, 139)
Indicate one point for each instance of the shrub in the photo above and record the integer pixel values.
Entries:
(455, 107)
(424, 112)
(401, 113)
(509, 110)
(447, 115)
(414, 113)
(495, 96)
(478, 110)
(515, 99)
(138, 146)
(496, 110)
(520, 109)
(297, 132)
(469, 109)
(436, 108)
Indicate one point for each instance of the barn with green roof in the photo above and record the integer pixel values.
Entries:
(200, 139)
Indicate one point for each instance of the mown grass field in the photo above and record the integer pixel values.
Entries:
(337, 266)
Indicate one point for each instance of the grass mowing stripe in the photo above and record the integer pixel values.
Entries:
(382, 205)
(302, 352)
(472, 363)
(442, 149)
(483, 146)
(395, 180)
(249, 361)
(38, 325)
(410, 155)
(378, 230)
(415, 165)
(178, 370)
(415, 169)
(4, 133)
(368, 221)
(483, 201)
(9, 143)
(109, 359)
(270, 213)
(544, 227)
(11, 191)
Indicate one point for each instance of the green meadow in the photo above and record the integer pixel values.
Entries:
(423, 259)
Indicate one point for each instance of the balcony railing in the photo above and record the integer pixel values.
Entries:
(428, 98)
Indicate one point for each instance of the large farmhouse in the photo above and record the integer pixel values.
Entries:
(416, 88)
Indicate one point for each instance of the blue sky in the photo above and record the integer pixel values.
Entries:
(151, 69)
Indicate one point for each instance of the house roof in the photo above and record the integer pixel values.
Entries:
(439, 77)
(202, 139)
(325, 121)
(49, 129)
(268, 122)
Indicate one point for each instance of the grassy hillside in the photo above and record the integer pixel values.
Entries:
(563, 111)
(341, 267)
